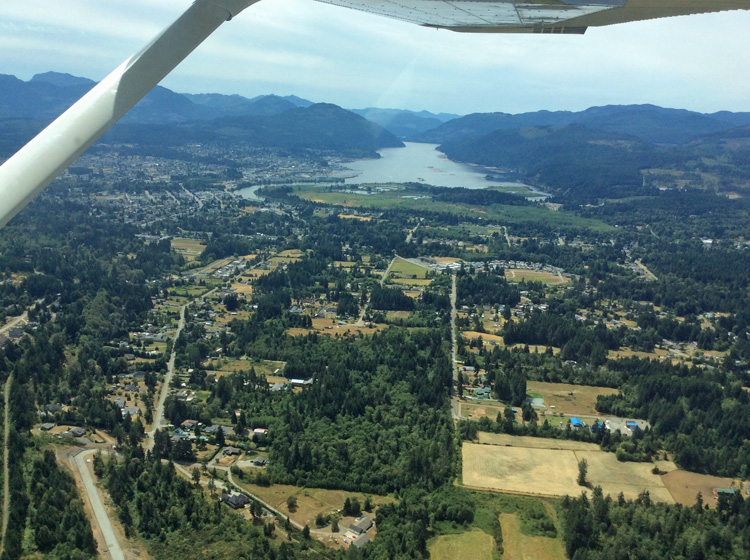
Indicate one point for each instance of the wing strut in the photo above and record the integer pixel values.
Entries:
(33, 167)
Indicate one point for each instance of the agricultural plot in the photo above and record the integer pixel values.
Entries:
(549, 467)
(516, 275)
(684, 486)
(474, 544)
(518, 546)
(402, 268)
(568, 399)
(537, 348)
(188, 248)
(355, 217)
(487, 338)
(311, 502)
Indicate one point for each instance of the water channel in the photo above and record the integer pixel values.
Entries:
(420, 163)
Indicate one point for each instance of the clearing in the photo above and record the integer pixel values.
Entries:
(188, 248)
(684, 486)
(311, 502)
(516, 275)
(549, 467)
(568, 399)
(474, 544)
(518, 546)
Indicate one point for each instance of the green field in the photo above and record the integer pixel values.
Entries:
(402, 268)
(475, 544)
(396, 199)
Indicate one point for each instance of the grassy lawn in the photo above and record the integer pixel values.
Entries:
(474, 544)
(403, 267)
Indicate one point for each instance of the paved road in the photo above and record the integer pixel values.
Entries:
(113, 546)
(159, 414)
(6, 473)
(361, 320)
(455, 405)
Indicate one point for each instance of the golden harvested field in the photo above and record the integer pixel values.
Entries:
(189, 248)
(293, 253)
(582, 400)
(684, 486)
(242, 289)
(311, 502)
(409, 281)
(628, 353)
(335, 330)
(516, 275)
(486, 337)
(518, 546)
(477, 411)
(474, 544)
(537, 349)
(445, 260)
(344, 264)
(354, 217)
(523, 466)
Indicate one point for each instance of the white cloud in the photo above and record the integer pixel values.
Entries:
(355, 59)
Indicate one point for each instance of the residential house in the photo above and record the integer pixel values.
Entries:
(361, 525)
(235, 501)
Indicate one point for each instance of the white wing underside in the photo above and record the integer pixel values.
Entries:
(533, 16)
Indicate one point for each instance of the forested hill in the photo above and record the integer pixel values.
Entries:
(579, 162)
(321, 126)
(647, 122)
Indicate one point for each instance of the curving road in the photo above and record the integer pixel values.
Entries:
(113, 546)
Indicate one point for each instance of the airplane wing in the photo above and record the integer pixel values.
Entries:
(533, 16)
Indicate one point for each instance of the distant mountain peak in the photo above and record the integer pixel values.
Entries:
(60, 79)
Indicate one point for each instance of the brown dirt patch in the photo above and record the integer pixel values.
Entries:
(582, 401)
(516, 275)
(684, 486)
(353, 217)
(242, 289)
(486, 337)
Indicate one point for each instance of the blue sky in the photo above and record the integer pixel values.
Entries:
(356, 60)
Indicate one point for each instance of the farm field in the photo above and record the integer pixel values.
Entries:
(537, 348)
(486, 337)
(242, 289)
(516, 275)
(474, 544)
(477, 411)
(543, 467)
(582, 401)
(311, 502)
(188, 248)
(402, 267)
(518, 546)
(684, 487)
(355, 217)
